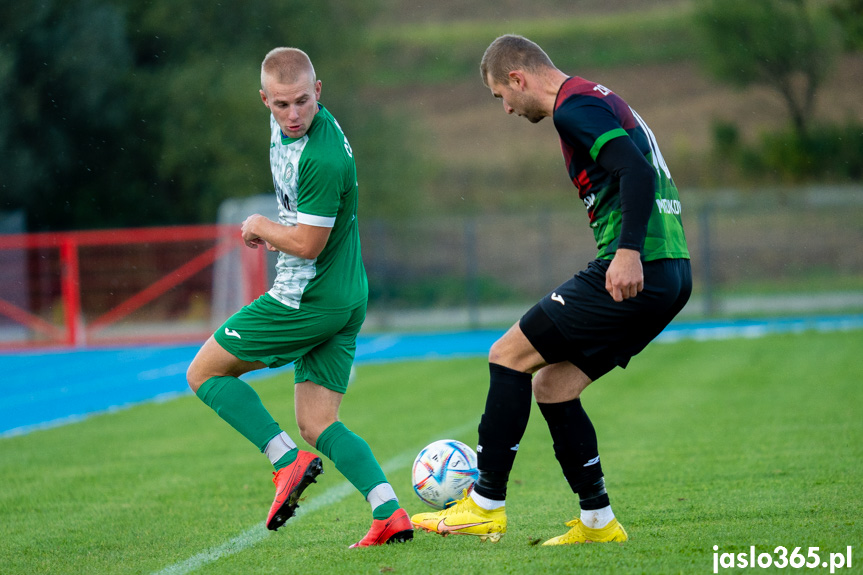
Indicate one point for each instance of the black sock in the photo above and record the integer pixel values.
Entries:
(576, 450)
(507, 410)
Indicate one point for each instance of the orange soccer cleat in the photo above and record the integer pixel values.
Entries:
(290, 482)
(397, 528)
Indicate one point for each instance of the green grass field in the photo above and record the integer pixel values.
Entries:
(729, 443)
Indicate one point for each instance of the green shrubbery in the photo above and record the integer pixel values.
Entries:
(788, 47)
(826, 153)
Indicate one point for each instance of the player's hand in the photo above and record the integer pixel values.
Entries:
(248, 231)
(625, 276)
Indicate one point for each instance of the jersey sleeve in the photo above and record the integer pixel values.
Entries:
(588, 122)
(319, 191)
(625, 162)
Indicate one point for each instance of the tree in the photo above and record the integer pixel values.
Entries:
(119, 113)
(62, 68)
(787, 45)
(198, 63)
(849, 13)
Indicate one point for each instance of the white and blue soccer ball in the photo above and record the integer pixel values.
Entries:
(442, 471)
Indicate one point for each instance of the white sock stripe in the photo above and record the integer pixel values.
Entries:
(597, 518)
(380, 494)
(278, 446)
(485, 502)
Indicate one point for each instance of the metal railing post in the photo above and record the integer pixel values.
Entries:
(71, 290)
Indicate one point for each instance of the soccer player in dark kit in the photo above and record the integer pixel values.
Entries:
(596, 320)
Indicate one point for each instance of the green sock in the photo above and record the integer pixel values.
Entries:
(237, 403)
(286, 459)
(386, 509)
(353, 457)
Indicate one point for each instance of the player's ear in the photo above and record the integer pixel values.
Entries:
(264, 98)
(318, 90)
(517, 79)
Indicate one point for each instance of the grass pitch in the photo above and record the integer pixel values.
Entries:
(728, 443)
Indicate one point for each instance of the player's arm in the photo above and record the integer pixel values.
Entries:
(590, 122)
(621, 158)
(318, 193)
(303, 240)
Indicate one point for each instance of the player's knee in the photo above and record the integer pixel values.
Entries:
(497, 353)
(510, 352)
(313, 425)
(194, 377)
(559, 382)
(540, 385)
(309, 432)
(308, 436)
(310, 427)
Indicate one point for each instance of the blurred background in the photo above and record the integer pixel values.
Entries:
(124, 116)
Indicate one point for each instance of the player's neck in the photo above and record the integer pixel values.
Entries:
(551, 81)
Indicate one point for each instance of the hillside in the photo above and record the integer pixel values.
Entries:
(404, 12)
(484, 157)
(469, 128)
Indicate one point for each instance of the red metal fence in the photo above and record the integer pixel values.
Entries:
(116, 286)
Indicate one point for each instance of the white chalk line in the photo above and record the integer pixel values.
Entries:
(259, 531)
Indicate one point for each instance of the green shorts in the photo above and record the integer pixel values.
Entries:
(321, 345)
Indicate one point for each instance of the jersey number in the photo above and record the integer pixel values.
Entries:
(347, 145)
(658, 160)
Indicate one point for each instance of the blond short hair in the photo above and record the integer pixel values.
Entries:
(286, 66)
(512, 52)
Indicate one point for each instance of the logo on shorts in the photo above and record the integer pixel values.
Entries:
(232, 333)
(557, 298)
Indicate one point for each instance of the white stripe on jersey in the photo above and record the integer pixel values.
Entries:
(318, 221)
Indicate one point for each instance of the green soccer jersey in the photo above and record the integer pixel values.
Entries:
(588, 115)
(315, 180)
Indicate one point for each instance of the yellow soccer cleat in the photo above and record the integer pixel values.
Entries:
(614, 531)
(464, 517)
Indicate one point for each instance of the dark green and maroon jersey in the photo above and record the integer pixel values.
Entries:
(587, 115)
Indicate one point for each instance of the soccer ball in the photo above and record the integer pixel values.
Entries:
(442, 471)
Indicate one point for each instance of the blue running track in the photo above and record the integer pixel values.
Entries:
(49, 388)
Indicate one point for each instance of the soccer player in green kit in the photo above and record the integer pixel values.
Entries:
(591, 323)
(313, 312)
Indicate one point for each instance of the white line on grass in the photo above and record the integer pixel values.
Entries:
(259, 531)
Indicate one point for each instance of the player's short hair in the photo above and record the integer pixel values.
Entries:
(286, 66)
(512, 52)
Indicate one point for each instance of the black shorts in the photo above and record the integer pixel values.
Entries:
(579, 321)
